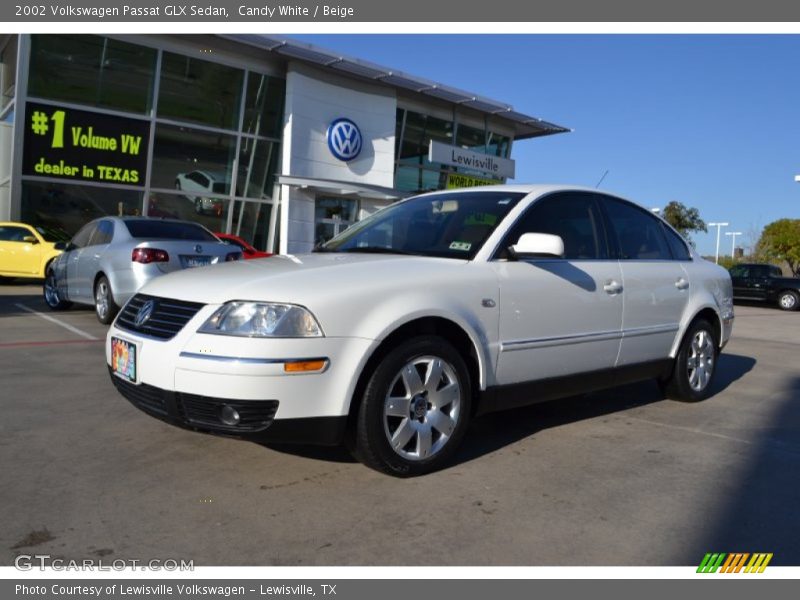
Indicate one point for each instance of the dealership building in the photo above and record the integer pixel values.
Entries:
(280, 142)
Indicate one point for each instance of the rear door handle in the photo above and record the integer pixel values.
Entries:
(612, 287)
(682, 284)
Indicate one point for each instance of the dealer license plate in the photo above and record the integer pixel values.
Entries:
(123, 359)
(187, 262)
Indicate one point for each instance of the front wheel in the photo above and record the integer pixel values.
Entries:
(51, 295)
(789, 300)
(695, 364)
(415, 408)
(104, 305)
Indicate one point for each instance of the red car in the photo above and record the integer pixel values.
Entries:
(247, 250)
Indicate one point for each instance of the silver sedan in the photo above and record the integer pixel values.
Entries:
(110, 258)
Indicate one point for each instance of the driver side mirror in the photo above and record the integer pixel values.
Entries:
(537, 245)
(30, 239)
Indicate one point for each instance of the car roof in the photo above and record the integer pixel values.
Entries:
(526, 188)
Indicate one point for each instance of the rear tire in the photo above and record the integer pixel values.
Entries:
(415, 408)
(50, 293)
(789, 300)
(695, 364)
(104, 305)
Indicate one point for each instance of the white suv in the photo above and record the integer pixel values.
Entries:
(441, 307)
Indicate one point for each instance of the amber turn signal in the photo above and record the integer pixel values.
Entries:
(304, 366)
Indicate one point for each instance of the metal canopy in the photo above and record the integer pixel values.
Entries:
(525, 126)
(342, 188)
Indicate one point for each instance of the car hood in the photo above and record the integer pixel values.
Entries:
(300, 279)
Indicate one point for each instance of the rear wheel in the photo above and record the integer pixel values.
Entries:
(50, 293)
(789, 300)
(104, 305)
(695, 364)
(415, 408)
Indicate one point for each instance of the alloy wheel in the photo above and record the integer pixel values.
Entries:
(422, 408)
(700, 362)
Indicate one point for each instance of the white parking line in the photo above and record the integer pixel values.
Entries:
(80, 332)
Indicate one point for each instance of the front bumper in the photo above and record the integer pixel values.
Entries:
(205, 414)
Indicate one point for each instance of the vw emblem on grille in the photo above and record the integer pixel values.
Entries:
(344, 139)
(144, 314)
(198, 248)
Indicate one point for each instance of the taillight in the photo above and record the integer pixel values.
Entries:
(233, 256)
(149, 255)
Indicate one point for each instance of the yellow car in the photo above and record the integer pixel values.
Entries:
(26, 251)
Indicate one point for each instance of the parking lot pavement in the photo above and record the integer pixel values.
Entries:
(620, 477)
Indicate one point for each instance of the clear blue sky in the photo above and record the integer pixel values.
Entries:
(712, 121)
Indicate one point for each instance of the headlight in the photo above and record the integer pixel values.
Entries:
(262, 319)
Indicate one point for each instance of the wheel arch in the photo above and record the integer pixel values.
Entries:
(462, 338)
(710, 314)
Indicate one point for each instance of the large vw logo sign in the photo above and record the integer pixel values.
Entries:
(344, 139)
(144, 314)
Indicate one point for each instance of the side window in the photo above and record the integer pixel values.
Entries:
(739, 271)
(677, 245)
(13, 234)
(81, 239)
(761, 271)
(639, 234)
(775, 271)
(103, 233)
(573, 216)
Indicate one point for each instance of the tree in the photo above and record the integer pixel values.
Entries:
(684, 219)
(780, 241)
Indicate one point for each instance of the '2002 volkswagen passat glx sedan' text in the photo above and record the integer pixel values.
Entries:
(392, 335)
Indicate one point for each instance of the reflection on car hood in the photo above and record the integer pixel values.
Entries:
(299, 279)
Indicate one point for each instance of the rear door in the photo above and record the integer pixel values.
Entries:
(759, 282)
(559, 316)
(656, 285)
(89, 263)
(76, 283)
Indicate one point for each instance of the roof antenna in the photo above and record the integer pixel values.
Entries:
(601, 179)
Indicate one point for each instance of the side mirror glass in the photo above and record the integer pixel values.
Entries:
(537, 245)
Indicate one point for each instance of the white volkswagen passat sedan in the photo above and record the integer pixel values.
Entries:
(431, 311)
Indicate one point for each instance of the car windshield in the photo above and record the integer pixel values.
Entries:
(53, 235)
(168, 230)
(453, 225)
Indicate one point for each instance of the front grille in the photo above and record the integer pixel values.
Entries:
(205, 411)
(146, 397)
(167, 318)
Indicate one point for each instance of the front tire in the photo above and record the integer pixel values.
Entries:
(789, 300)
(50, 293)
(415, 408)
(695, 364)
(104, 305)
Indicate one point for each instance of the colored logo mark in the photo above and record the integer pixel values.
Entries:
(344, 139)
(734, 562)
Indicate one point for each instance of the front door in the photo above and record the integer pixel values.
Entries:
(559, 316)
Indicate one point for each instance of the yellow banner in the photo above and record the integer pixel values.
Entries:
(457, 180)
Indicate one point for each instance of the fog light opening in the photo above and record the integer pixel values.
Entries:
(229, 415)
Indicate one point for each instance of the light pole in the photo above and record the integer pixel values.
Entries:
(733, 235)
(719, 226)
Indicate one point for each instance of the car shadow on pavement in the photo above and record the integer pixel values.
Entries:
(9, 308)
(494, 431)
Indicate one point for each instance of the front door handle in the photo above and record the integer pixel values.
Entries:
(682, 284)
(612, 287)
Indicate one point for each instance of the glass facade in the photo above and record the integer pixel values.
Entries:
(215, 134)
(413, 133)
